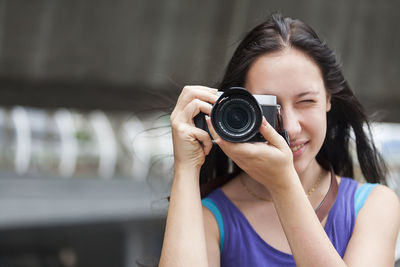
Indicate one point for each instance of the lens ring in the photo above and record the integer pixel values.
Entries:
(247, 108)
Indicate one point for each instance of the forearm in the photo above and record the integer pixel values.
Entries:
(184, 238)
(307, 238)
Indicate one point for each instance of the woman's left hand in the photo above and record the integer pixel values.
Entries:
(269, 163)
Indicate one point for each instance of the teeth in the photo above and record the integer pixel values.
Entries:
(294, 149)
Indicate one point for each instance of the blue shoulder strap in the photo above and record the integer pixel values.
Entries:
(361, 196)
(209, 204)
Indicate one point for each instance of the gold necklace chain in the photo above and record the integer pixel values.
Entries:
(269, 200)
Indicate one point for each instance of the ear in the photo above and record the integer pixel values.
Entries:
(328, 101)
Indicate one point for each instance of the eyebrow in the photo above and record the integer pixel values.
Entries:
(308, 93)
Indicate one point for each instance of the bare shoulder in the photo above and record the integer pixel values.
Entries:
(383, 199)
(375, 230)
(381, 203)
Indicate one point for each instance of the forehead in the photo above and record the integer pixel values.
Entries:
(287, 72)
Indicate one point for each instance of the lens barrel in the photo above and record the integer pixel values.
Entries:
(236, 116)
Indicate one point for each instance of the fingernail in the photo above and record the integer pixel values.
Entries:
(264, 122)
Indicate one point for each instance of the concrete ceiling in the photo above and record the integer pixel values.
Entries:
(120, 54)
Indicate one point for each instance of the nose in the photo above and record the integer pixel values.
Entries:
(291, 122)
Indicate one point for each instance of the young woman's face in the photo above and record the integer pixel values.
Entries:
(297, 82)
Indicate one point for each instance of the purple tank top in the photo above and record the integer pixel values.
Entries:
(242, 246)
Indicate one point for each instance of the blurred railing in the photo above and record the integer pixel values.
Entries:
(71, 144)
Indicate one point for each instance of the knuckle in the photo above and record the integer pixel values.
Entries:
(181, 129)
(196, 102)
(195, 105)
(188, 89)
(173, 123)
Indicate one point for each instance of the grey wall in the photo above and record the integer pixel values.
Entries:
(109, 54)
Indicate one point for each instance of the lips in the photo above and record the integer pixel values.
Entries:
(295, 148)
(298, 148)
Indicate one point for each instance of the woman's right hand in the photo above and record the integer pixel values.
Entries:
(190, 143)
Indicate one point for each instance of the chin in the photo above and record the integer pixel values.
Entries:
(302, 164)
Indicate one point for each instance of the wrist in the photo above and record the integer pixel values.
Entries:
(289, 182)
(186, 180)
(186, 169)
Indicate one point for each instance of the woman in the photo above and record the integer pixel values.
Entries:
(263, 211)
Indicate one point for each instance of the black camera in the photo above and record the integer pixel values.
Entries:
(237, 116)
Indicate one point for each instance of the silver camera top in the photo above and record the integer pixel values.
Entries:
(265, 100)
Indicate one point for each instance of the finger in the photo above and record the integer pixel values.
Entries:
(189, 93)
(223, 144)
(195, 107)
(217, 139)
(215, 136)
(204, 138)
(232, 150)
(271, 135)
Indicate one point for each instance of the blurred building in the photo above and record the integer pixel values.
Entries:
(85, 91)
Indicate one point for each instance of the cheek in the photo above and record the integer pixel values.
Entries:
(319, 132)
(316, 124)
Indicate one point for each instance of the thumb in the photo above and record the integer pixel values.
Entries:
(271, 135)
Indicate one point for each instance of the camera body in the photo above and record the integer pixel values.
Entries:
(237, 116)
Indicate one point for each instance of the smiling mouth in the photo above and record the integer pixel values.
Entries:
(294, 149)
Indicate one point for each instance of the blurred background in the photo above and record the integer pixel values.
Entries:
(86, 88)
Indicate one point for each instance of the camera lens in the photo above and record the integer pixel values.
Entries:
(237, 117)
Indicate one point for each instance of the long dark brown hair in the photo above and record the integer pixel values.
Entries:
(346, 114)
